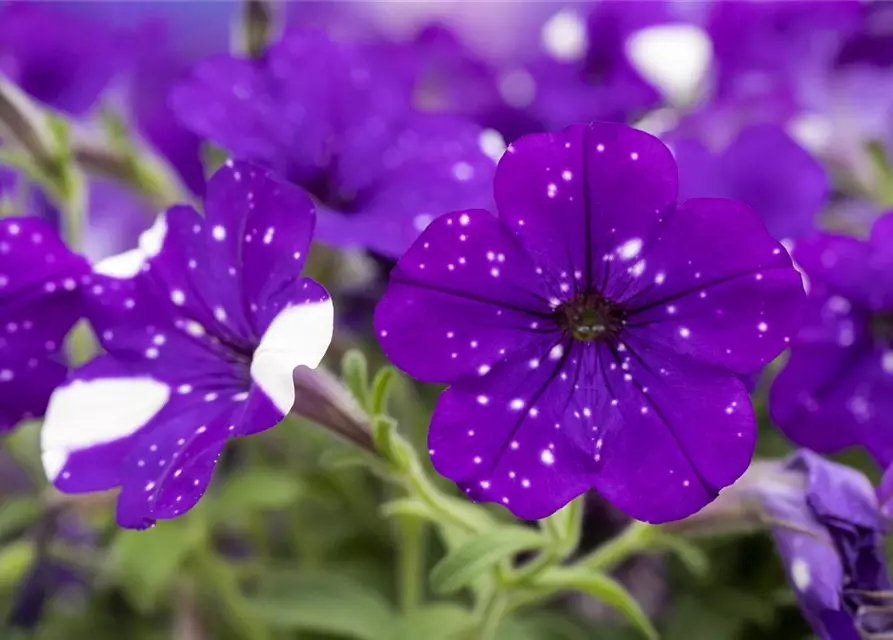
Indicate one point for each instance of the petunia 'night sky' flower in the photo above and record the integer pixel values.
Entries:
(39, 303)
(594, 332)
(837, 389)
(204, 326)
(763, 168)
(59, 60)
(338, 119)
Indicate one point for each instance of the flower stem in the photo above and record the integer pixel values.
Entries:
(491, 616)
(637, 537)
(411, 561)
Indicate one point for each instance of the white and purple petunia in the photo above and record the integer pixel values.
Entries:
(204, 325)
(593, 333)
(837, 388)
(40, 301)
(338, 119)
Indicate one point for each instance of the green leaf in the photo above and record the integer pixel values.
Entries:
(381, 390)
(324, 603)
(15, 559)
(355, 373)
(601, 587)
(440, 621)
(481, 552)
(409, 508)
(16, 514)
(694, 559)
(548, 625)
(256, 490)
(147, 563)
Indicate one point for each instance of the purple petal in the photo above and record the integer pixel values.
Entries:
(39, 303)
(577, 195)
(520, 435)
(168, 468)
(465, 295)
(710, 282)
(435, 164)
(60, 61)
(765, 169)
(661, 459)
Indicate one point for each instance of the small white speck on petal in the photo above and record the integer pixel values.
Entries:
(630, 249)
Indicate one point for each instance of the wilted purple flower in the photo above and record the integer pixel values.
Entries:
(337, 119)
(59, 60)
(829, 533)
(594, 332)
(837, 388)
(763, 168)
(204, 326)
(39, 303)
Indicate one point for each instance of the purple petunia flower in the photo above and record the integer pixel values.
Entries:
(763, 168)
(39, 303)
(594, 332)
(59, 60)
(338, 120)
(837, 389)
(829, 532)
(204, 326)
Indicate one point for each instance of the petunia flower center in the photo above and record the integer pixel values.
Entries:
(589, 317)
(882, 326)
(325, 189)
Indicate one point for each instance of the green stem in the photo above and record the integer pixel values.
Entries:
(637, 537)
(491, 616)
(215, 571)
(411, 561)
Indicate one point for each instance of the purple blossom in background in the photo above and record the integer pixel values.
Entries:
(763, 47)
(153, 79)
(763, 168)
(337, 119)
(39, 303)
(450, 78)
(204, 325)
(583, 72)
(116, 216)
(594, 332)
(837, 388)
(61, 61)
(829, 533)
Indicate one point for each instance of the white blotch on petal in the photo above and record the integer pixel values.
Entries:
(547, 457)
(219, 233)
(492, 144)
(800, 574)
(564, 36)
(673, 57)
(298, 335)
(122, 265)
(85, 414)
(887, 362)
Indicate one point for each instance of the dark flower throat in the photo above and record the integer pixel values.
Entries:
(591, 317)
